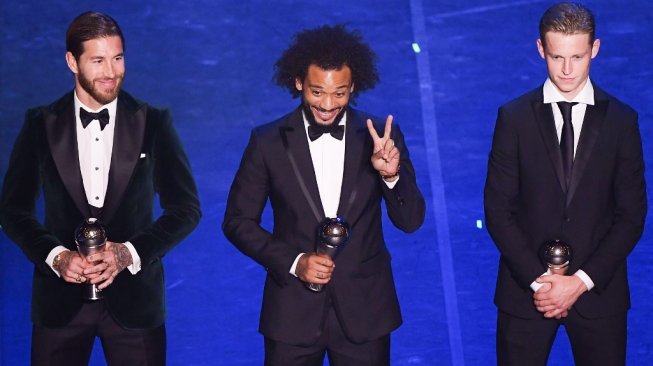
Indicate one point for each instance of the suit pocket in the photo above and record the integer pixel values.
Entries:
(373, 265)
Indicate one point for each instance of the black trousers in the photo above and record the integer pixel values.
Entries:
(72, 344)
(600, 341)
(335, 344)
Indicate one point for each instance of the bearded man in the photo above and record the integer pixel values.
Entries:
(98, 153)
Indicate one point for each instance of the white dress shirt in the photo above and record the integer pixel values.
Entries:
(328, 156)
(95, 146)
(584, 98)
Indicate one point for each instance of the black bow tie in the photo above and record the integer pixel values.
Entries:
(86, 117)
(337, 131)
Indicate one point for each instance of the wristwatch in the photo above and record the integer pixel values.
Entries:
(56, 261)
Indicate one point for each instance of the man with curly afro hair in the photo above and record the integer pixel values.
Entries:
(325, 160)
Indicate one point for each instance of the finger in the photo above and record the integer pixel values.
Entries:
(545, 308)
(97, 268)
(321, 277)
(370, 127)
(74, 277)
(388, 148)
(388, 145)
(321, 268)
(103, 277)
(393, 154)
(324, 260)
(108, 281)
(388, 127)
(552, 313)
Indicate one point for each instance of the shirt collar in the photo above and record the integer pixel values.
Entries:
(553, 95)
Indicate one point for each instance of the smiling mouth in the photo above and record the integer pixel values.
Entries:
(325, 115)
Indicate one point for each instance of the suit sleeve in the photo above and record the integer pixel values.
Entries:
(501, 204)
(405, 203)
(22, 184)
(178, 198)
(630, 206)
(242, 220)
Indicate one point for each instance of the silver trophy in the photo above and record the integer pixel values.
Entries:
(556, 255)
(90, 236)
(332, 235)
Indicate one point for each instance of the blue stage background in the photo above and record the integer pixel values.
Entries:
(211, 62)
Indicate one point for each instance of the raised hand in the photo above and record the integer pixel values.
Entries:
(385, 157)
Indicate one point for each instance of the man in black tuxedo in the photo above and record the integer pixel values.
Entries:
(98, 152)
(325, 159)
(566, 164)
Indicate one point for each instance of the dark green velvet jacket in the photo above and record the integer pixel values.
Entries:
(147, 159)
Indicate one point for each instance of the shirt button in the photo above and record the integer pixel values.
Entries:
(97, 198)
(97, 139)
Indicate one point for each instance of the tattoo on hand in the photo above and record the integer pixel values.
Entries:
(123, 257)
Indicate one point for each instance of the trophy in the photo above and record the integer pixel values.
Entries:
(332, 235)
(90, 236)
(556, 255)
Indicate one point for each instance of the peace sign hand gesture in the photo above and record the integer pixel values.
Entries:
(385, 157)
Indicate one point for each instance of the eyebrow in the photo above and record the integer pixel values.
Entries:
(344, 86)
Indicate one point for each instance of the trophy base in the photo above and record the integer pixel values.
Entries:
(315, 287)
(92, 293)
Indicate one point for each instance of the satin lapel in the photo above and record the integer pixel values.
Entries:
(546, 124)
(355, 142)
(295, 142)
(62, 138)
(594, 116)
(127, 142)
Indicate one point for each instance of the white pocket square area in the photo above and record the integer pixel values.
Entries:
(143, 155)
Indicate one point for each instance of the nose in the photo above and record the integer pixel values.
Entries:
(327, 102)
(567, 68)
(109, 70)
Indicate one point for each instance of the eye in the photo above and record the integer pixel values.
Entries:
(316, 93)
(340, 94)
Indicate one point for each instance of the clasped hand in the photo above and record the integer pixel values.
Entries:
(100, 268)
(557, 294)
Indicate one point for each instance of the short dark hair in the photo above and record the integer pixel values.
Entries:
(330, 48)
(567, 18)
(87, 26)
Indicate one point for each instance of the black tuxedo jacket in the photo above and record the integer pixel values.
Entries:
(601, 216)
(147, 159)
(362, 287)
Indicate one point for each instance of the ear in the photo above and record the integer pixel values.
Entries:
(540, 48)
(72, 63)
(595, 47)
(298, 84)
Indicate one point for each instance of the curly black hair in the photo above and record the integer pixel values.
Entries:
(330, 48)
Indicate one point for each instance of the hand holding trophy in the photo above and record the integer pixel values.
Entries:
(332, 235)
(90, 237)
